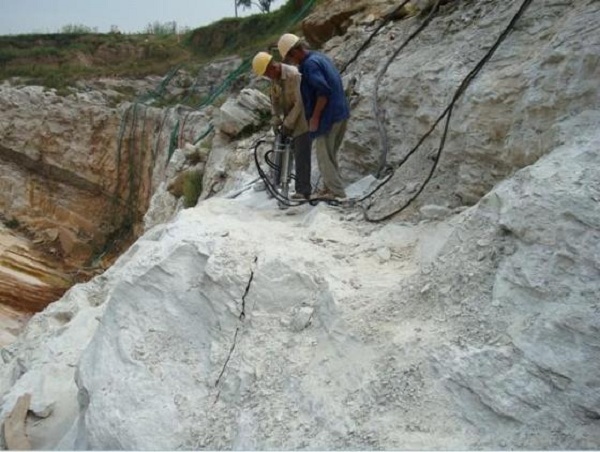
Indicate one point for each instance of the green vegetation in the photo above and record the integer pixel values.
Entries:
(246, 34)
(57, 60)
(162, 29)
(263, 5)
(192, 188)
(13, 223)
(78, 29)
(264, 118)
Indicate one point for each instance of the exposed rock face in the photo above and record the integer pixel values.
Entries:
(332, 21)
(29, 280)
(209, 76)
(334, 18)
(76, 173)
(60, 170)
(540, 75)
(12, 323)
(246, 110)
(181, 84)
(240, 326)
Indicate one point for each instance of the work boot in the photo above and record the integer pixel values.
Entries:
(325, 194)
(259, 186)
(322, 194)
(299, 197)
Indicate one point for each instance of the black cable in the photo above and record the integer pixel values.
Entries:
(275, 166)
(389, 172)
(365, 44)
(448, 114)
(377, 112)
(282, 199)
(313, 201)
(269, 185)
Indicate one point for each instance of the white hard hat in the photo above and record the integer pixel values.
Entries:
(261, 62)
(286, 42)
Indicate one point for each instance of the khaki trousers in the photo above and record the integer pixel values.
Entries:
(327, 147)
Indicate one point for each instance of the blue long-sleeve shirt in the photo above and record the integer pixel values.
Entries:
(321, 78)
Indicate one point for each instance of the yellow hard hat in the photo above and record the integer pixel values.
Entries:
(260, 62)
(286, 42)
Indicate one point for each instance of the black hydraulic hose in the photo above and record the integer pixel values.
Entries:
(447, 113)
(268, 184)
(274, 165)
(313, 201)
(273, 190)
(389, 172)
(377, 111)
(366, 43)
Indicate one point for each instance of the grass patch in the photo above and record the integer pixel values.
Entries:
(56, 60)
(59, 60)
(12, 223)
(192, 188)
(246, 34)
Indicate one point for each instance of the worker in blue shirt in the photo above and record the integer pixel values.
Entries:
(325, 106)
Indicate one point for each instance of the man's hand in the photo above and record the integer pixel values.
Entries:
(313, 125)
(276, 123)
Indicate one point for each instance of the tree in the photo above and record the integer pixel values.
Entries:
(263, 5)
(162, 29)
(77, 29)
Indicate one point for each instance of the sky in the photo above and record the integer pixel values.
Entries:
(130, 16)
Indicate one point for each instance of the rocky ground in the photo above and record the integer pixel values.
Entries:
(242, 326)
(470, 321)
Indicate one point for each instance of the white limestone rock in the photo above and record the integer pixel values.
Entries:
(236, 326)
(242, 112)
(503, 122)
(434, 212)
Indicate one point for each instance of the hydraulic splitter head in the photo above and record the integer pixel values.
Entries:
(282, 141)
(283, 163)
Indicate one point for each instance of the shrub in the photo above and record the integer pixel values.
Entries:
(231, 35)
(74, 29)
(13, 223)
(7, 55)
(192, 188)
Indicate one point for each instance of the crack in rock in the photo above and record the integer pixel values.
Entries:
(241, 317)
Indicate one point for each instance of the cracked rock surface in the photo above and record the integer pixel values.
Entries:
(470, 322)
(241, 326)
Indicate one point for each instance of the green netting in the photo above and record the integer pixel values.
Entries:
(204, 134)
(247, 62)
(158, 92)
(173, 141)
